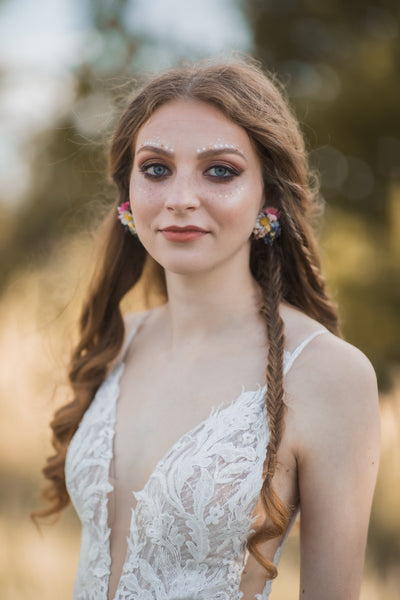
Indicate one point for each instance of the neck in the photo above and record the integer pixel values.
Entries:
(202, 304)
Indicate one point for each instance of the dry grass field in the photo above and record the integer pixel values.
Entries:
(34, 344)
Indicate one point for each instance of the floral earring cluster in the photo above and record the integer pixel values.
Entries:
(267, 227)
(126, 217)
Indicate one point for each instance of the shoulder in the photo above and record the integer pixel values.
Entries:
(332, 392)
(330, 389)
(328, 363)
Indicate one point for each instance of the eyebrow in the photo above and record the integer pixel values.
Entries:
(217, 151)
(200, 155)
(159, 149)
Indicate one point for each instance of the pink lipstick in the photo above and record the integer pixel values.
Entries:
(188, 233)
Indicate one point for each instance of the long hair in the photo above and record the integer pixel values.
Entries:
(289, 270)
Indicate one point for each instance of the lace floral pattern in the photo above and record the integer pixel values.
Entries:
(86, 473)
(189, 528)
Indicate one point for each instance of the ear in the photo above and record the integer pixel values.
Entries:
(263, 202)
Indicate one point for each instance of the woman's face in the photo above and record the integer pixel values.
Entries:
(196, 187)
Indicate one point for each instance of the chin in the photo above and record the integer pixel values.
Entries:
(199, 261)
(187, 268)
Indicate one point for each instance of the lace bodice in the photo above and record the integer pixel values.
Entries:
(188, 530)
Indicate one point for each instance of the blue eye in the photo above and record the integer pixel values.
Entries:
(221, 172)
(154, 170)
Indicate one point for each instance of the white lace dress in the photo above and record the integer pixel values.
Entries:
(189, 527)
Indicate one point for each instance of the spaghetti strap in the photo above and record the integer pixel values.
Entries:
(291, 356)
(132, 334)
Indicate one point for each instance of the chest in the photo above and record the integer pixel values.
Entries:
(163, 399)
(227, 448)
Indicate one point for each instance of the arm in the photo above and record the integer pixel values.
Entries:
(337, 450)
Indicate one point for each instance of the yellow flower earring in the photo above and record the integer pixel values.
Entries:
(267, 227)
(126, 217)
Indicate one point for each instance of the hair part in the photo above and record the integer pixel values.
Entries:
(289, 270)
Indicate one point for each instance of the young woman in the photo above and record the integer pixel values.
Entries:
(200, 428)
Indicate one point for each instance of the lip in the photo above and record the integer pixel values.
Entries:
(185, 228)
(188, 233)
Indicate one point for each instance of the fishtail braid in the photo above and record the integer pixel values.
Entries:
(305, 283)
(278, 518)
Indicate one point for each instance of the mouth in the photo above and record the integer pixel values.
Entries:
(188, 233)
(183, 229)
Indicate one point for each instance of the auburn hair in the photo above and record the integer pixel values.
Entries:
(288, 270)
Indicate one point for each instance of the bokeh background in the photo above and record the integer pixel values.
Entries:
(65, 66)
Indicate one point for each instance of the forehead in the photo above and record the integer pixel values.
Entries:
(193, 120)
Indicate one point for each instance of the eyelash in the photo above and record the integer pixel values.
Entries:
(220, 178)
(231, 172)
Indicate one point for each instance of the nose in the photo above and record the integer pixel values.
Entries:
(182, 195)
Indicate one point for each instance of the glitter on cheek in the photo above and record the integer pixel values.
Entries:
(231, 194)
(140, 190)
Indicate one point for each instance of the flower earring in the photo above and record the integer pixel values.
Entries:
(267, 227)
(126, 217)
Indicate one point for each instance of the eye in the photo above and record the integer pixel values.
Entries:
(222, 172)
(154, 170)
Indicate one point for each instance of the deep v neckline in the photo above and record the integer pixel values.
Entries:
(118, 371)
(225, 405)
(141, 493)
(120, 367)
(289, 358)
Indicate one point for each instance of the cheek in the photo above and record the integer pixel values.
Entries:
(232, 197)
(142, 200)
(239, 206)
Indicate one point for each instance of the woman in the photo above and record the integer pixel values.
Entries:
(235, 403)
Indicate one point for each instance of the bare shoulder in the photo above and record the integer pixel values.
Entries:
(332, 393)
(335, 362)
(328, 363)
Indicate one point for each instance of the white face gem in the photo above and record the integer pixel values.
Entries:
(218, 145)
(156, 143)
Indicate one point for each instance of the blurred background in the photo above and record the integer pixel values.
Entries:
(64, 67)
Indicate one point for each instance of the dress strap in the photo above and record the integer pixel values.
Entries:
(291, 356)
(132, 334)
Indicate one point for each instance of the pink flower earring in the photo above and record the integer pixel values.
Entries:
(126, 217)
(267, 227)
